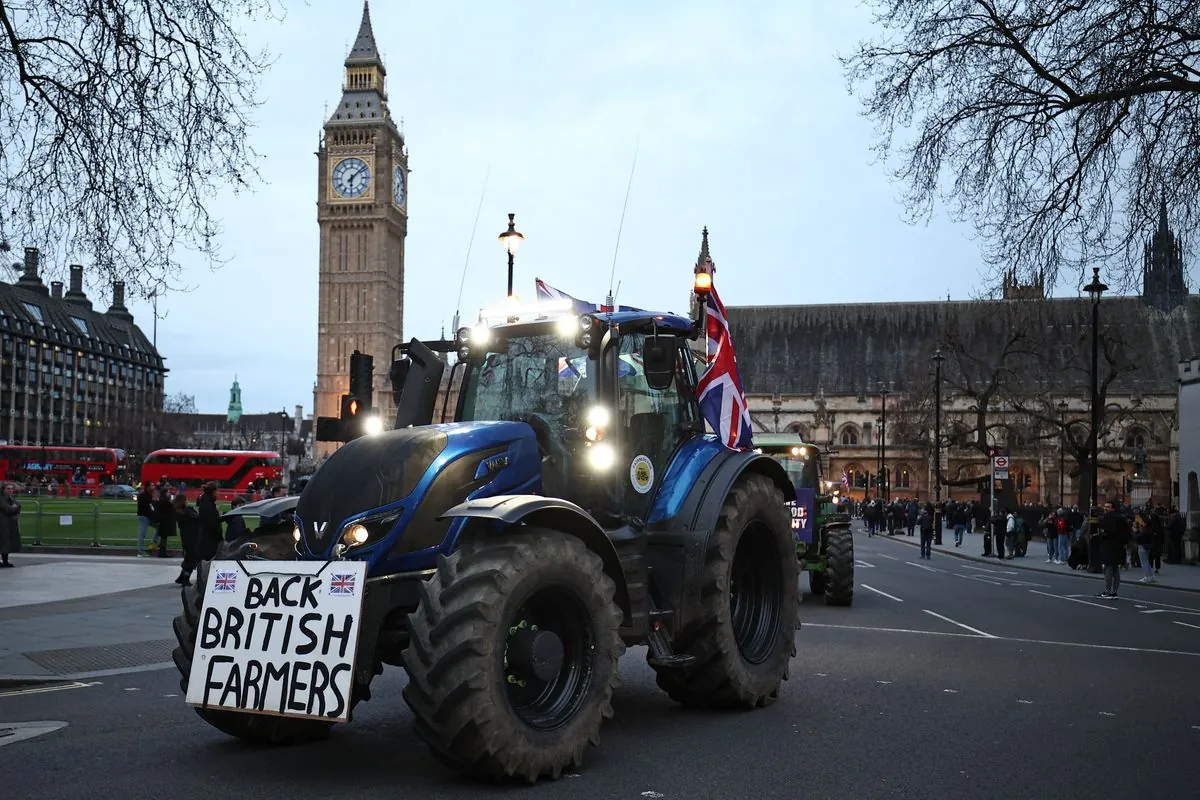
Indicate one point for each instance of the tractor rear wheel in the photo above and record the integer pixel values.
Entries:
(744, 636)
(839, 567)
(257, 729)
(816, 583)
(512, 655)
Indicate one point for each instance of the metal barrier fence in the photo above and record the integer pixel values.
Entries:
(76, 522)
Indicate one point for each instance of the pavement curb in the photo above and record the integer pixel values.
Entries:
(8, 682)
(1075, 573)
(84, 550)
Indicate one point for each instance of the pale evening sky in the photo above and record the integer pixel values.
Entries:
(745, 126)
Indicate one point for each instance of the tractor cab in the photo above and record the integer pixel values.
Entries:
(609, 397)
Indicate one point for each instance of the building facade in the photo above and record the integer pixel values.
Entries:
(1188, 473)
(362, 211)
(848, 377)
(73, 375)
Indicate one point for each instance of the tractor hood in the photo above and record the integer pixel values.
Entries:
(393, 473)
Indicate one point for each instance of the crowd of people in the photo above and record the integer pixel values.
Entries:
(167, 513)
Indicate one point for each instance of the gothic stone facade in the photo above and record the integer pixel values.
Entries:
(73, 375)
(362, 211)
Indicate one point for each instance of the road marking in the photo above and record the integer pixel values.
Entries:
(1084, 645)
(950, 691)
(58, 687)
(1025, 702)
(1107, 714)
(1142, 602)
(1073, 600)
(1169, 611)
(859, 563)
(20, 731)
(1185, 624)
(988, 569)
(979, 578)
(959, 624)
(884, 555)
(1028, 583)
(876, 591)
(922, 566)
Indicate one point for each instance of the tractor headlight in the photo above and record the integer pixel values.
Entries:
(480, 335)
(597, 420)
(567, 325)
(356, 534)
(296, 532)
(601, 456)
(373, 425)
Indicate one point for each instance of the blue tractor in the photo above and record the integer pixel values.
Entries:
(574, 507)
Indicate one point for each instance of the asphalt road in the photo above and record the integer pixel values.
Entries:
(946, 679)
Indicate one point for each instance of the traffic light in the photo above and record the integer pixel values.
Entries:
(1028, 481)
(351, 408)
(362, 370)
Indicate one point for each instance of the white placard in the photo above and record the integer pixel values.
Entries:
(64, 519)
(279, 637)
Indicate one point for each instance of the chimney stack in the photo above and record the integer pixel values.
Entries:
(29, 279)
(56, 288)
(118, 308)
(75, 293)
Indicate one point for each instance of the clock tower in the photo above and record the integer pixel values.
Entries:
(362, 211)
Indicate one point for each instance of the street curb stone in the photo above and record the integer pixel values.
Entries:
(1075, 573)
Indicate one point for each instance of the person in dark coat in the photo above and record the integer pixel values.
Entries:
(188, 520)
(1114, 536)
(235, 527)
(1176, 527)
(145, 517)
(10, 530)
(164, 511)
(925, 521)
(210, 523)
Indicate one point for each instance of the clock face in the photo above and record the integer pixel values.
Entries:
(398, 186)
(351, 177)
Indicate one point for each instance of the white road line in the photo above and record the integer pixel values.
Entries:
(884, 555)
(1073, 600)
(986, 569)
(860, 563)
(1028, 583)
(922, 566)
(876, 591)
(1142, 602)
(979, 578)
(959, 624)
(43, 689)
(1083, 645)
(1169, 611)
(1186, 624)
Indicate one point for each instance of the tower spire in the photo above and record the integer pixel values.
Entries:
(704, 262)
(1162, 215)
(364, 52)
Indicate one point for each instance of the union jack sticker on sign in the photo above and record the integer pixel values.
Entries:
(341, 585)
(225, 581)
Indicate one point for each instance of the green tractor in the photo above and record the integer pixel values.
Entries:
(824, 544)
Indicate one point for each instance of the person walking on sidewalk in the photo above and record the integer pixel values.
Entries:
(210, 523)
(188, 521)
(925, 522)
(10, 530)
(1144, 536)
(145, 517)
(164, 512)
(1114, 536)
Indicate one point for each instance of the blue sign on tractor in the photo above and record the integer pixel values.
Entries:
(802, 515)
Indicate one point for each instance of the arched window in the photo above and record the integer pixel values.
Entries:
(1136, 437)
(849, 436)
(903, 477)
(857, 477)
(798, 429)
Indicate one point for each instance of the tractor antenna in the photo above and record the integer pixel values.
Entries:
(462, 283)
(621, 227)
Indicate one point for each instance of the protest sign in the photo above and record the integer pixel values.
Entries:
(278, 637)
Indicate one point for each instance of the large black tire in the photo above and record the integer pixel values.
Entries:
(467, 710)
(839, 567)
(255, 729)
(744, 636)
(816, 583)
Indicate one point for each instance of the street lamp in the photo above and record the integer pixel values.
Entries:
(887, 484)
(1062, 452)
(1095, 289)
(937, 359)
(510, 240)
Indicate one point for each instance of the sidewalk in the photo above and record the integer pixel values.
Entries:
(75, 617)
(1172, 576)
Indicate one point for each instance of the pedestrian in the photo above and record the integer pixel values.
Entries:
(235, 527)
(1051, 534)
(961, 518)
(1010, 534)
(164, 512)
(925, 521)
(210, 523)
(145, 518)
(1114, 537)
(10, 529)
(188, 521)
(1064, 538)
(1144, 537)
(1176, 527)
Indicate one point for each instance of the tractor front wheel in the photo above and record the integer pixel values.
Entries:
(512, 655)
(744, 636)
(816, 583)
(839, 567)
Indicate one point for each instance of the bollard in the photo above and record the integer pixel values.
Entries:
(96, 525)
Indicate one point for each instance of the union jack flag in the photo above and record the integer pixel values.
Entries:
(225, 581)
(845, 478)
(341, 584)
(722, 401)
(547, 292)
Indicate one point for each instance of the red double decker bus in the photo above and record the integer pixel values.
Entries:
(234, 471)
(76, 470)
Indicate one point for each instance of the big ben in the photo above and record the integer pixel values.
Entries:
(362, 211)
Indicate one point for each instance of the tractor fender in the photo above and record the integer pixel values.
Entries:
(699, 516)
(509, 510)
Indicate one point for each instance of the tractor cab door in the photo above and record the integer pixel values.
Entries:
(651, 423)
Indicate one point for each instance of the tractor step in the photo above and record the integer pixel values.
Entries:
(661, 614)
(671, 661)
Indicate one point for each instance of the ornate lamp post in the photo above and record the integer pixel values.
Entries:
(937, 359)
(1062, 452)
(510, 240)
(1095, 289)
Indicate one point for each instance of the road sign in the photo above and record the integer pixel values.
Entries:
(1000, 462)
(1001, 475)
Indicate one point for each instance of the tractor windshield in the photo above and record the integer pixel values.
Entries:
(801, 467)
(542, 379)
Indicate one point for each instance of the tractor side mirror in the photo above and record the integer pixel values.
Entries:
(398, 375)
(659, 354)
(421, 383)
